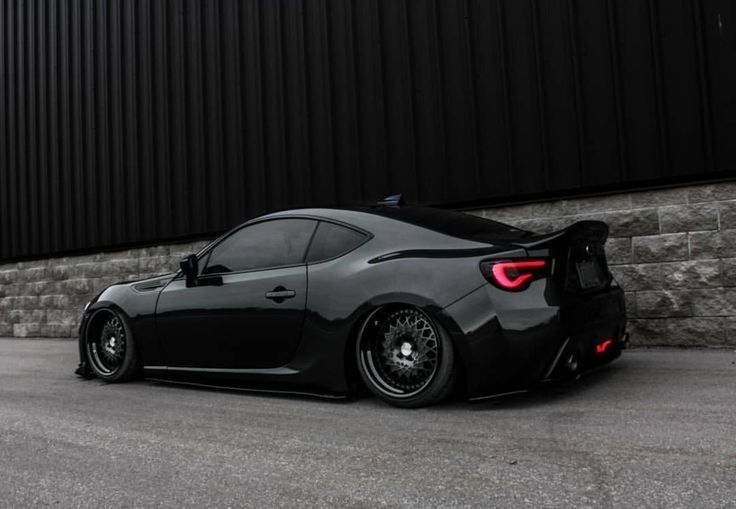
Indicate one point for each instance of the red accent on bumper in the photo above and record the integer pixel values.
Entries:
(602, 348)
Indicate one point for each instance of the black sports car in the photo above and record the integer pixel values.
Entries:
(408, 302)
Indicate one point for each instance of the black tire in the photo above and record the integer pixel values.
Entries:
(405, 358)
(110, 348)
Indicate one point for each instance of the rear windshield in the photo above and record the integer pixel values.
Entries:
(456, 224)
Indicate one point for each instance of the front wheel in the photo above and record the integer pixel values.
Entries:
(405, 358)
(110, 348)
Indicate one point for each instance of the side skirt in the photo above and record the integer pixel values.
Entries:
(245, 389)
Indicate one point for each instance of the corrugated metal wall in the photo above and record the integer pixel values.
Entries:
(130, 121)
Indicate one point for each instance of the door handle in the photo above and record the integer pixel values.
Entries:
(279, 294)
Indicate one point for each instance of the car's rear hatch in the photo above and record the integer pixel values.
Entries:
(578, 256)
(592, 305)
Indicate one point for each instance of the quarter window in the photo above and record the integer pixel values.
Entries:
(263, 245)
(332, 240)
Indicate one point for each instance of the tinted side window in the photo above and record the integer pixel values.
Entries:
(262, 245)
(332, 240)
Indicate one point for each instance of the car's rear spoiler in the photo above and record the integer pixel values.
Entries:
(595, 232)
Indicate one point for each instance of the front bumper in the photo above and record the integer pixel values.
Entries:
(83, 370)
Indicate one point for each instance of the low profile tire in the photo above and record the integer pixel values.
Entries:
(405, 358)
(110, 347)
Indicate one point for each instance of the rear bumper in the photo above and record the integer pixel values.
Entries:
(510, 342)
(580, 354)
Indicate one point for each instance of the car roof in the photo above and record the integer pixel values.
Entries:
(447, 222)
(355, 216)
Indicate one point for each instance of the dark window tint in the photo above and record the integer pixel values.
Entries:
(457, 224)
(262, 245)
(332, 240)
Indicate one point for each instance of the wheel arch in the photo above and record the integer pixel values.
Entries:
(397, 301)
(96, 319)
(99, 310)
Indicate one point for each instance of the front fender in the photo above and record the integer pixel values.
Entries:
(138, 308)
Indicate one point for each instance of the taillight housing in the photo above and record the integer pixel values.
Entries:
(515, 275)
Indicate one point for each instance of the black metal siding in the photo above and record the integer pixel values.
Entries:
(142, 120)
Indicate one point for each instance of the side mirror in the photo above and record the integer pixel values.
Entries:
(190, 268)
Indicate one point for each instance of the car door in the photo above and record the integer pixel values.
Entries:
(246, 309)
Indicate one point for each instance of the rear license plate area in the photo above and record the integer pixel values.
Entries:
(589, 274)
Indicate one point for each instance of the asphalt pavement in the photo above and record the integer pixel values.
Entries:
(655, 429)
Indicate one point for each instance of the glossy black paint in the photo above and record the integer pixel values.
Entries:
(220, 308)
(226, 330)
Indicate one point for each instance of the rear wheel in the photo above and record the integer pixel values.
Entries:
(110, 347)
(405, 358)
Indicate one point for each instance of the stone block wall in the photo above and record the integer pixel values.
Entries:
(673, 251)
(45, 298)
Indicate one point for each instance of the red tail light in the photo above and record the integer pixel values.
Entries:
(514, 275)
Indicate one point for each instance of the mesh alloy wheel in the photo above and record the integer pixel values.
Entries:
(107, 347)
(401, 354)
